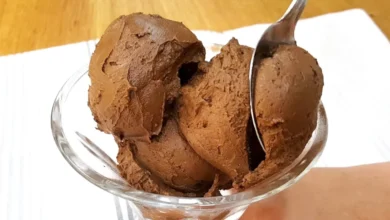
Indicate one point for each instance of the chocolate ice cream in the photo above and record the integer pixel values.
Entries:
(214, 110)
(183, 125)
(170, 158)
(288, 91)
(134, 73)
(172, 178)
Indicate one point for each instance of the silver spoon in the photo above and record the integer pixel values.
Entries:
(281, 32)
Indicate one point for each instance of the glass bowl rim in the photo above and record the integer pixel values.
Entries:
(241, 198)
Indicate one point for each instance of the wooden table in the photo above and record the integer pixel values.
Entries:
(33, 24)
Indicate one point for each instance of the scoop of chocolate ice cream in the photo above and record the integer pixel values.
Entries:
(170, 158)
(141, 178)
(288, 91)
(134, 73)
(214, 110)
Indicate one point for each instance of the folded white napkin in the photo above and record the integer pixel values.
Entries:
(37, 183)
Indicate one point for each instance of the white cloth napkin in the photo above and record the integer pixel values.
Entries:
(37, 183)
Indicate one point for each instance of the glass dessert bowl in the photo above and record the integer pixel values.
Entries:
(93, 154)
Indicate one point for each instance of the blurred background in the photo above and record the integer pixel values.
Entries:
(34, 24)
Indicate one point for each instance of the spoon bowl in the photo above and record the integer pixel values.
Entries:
(281, 32)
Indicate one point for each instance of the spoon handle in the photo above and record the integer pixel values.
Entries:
(294, 11)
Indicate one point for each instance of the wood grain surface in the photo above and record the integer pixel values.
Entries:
(33, 24)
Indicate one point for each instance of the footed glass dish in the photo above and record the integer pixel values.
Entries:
(93, 154)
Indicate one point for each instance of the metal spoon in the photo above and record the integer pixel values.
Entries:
(281, 32)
